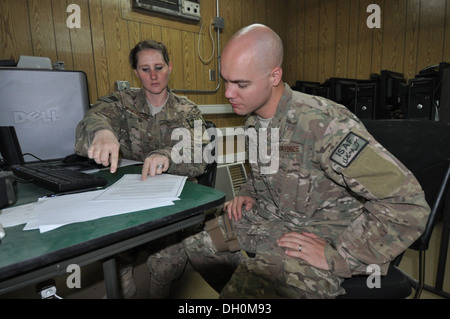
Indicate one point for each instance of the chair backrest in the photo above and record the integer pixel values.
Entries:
(208, 178)
(424, 148)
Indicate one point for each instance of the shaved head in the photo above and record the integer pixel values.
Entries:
(259, 45)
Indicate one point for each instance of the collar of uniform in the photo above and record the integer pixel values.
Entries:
(279, 119)
(170, 108)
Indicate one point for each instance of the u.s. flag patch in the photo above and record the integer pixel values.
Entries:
(348, 149)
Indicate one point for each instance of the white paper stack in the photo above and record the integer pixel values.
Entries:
(129, 194)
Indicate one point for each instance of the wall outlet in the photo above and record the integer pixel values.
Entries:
(212, 75)
(191, 8)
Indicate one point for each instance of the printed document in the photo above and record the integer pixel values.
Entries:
(130, 187)
(127, 195)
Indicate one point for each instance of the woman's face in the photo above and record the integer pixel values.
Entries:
(153, 71)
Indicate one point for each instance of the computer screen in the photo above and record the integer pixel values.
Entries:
(44, 107)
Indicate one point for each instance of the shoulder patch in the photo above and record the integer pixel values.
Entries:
(348, 149)
(109, 99)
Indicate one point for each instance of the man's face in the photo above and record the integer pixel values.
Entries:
(247, 87)
(153, 71)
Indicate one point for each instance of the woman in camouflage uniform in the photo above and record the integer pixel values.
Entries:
(138, 124)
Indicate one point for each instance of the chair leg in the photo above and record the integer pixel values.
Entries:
(421, 281)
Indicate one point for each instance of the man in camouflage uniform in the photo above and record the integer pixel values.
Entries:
(328, 204)
(139, 124)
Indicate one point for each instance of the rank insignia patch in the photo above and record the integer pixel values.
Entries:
(348, 149)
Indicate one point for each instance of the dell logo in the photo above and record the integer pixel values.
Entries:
(36, 116)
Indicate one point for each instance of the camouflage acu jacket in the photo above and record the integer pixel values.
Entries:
(335, 180)
(127, 114)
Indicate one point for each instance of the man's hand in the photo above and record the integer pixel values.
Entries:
(155, 164)
(306, 246)
(105, 149)
(234, 207)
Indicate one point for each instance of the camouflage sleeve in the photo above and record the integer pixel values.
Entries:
(105, 114)
(395, 208)
(195, 164)
(248, 188)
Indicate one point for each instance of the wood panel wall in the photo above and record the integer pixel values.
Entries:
(326, 38)
(323, 38)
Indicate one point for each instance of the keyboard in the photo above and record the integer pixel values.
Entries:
(57, 178)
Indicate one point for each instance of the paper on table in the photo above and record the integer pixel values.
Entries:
(16, 215)
(54, 212)
(131, 187)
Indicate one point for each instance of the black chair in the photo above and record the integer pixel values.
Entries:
(208, 178)
(423, 147)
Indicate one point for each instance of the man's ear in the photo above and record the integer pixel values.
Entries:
(277, 75)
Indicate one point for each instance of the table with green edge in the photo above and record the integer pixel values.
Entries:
(30, 257)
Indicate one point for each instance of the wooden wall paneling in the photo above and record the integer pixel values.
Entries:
(205, 47)
(365, 42)
(327, 40)
(190, 58)
(431, 33)
(135, 36)
(377, 40)
(409, 65)
(301, 38)
(134, 33)
(64, 51)
(394, 17)
(237, 17)
(42, 32)
(342, 37)
(116, 42)
(290, 43)
(102, 84)
(248, 12)
(260, 11)
(15, 34)
(150, 32)
(81, 41)
(311, 44)
(172, 39)
(274, 16)
(354, 26)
